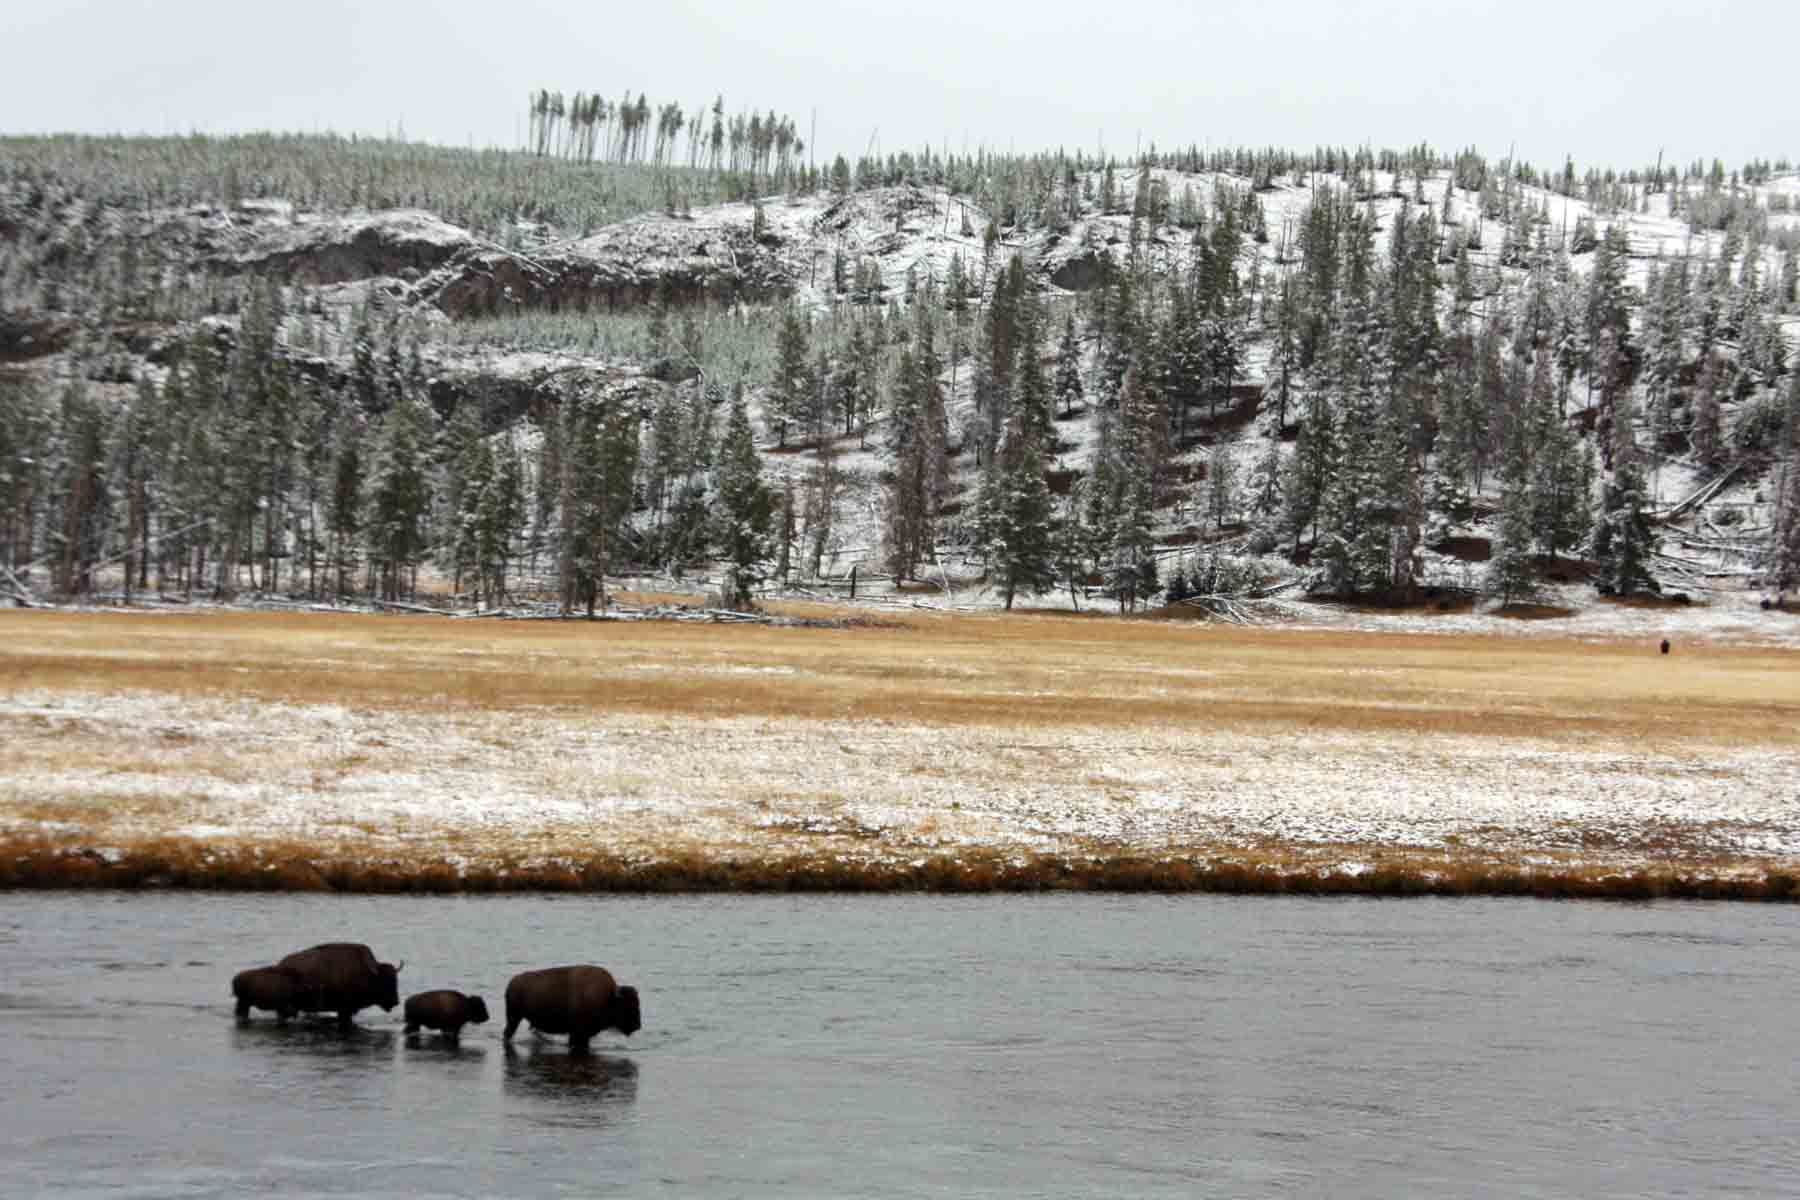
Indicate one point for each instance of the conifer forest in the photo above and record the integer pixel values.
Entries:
(662, 341)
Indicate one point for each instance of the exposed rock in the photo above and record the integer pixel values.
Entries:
(1080, 272)
(340, 249)
(27, 336)
(624, 265)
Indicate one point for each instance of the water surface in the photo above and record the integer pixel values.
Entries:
(910, 1046)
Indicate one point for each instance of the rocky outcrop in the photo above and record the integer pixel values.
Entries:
(403, 242)
(25, 336)
(624, 265)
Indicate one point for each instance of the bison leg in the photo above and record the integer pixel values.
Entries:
(411, 1027)
(578, 1043)
(344, 1016)
(512, 1025)
(243, 1009)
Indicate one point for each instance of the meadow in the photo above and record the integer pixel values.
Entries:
(952, 751)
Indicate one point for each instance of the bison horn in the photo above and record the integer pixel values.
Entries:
(401, 967)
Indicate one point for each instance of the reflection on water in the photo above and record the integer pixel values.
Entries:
(570, 1088)
(317, 1046)
(428, 1046)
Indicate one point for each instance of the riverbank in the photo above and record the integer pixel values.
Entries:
(943, 752)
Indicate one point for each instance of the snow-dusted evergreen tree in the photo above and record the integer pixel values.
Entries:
(26, 424)
(1263, 498)
(744, 524)
(344, 500)
(791, 390)
(1666, 294)
(1221, 486)
(1032, 397)
(1313, 464)
(1561, 490)
(1020, 540)
(599, 467)
(1359, 512)
(1510, 574)
(1623, 540)
(452, 539)
(1707, 436)
(1784, 532)
(130, 465)
(1068, 368)
(80, 487)
(470, 480)
(1131, 556)
(499, 516)
(399, 496)
(917, 438)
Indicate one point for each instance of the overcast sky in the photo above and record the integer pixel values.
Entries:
(1608, 82)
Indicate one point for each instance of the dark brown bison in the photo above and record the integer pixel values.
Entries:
(579, 1001)
(344, 977)
(274, 989)
(445, 1010)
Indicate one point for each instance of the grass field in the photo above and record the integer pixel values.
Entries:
(965, 751)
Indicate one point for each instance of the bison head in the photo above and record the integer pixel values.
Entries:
(626, 1017)
(387, 986)
(475, 1009)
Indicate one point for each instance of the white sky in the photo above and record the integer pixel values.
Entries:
(1608, 82)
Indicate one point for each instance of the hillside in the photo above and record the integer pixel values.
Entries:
(661, 315)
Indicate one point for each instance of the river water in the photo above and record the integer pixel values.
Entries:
(919, 1046)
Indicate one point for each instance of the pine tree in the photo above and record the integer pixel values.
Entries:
(599, 468)
(1312, 466)
(1221, 486)
(399, 496)
(499, 513)
(1131, 561)
(343, 519)
(1510, 575)
(1068, 368)
(791, 390)
(1021, 535)
(1032, 398)
(1707, 437)
(464, 473)
(1263, 498)
(1562, 479)
(917, 436)
(1784, 532)
(25, 437)
(745, 512)
(1623, 540)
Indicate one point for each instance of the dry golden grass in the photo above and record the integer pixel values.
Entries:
(1014, 672)
(995, 744)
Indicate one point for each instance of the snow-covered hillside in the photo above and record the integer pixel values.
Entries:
(834, 254)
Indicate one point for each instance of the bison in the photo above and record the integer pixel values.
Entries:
(447, 1011)
(279, 990)
(579, 1001)
(344, 977)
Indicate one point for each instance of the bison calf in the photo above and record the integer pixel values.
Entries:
(273, 989)
(579, 1001)
(447, 1011)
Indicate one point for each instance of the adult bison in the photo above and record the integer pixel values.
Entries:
(445, 1010)
(579, 1001)
(273, 989)
(344, 977)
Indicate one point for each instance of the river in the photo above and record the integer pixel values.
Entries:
(918, 1045)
